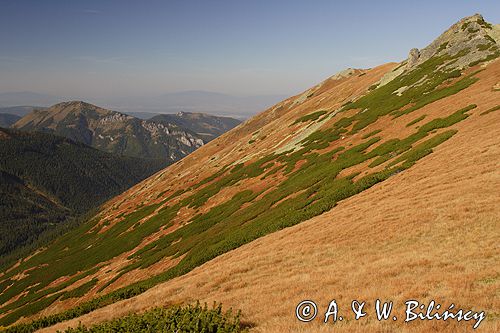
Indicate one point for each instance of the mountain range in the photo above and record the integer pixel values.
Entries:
(122, 134)
(375, 183)
(45, 184)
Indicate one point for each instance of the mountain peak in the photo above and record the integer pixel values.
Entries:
(466, 43)
(75, 104)
(123, 134)
(472, 38)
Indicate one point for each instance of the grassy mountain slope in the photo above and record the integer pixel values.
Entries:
(206, 126)
(47, 180)
(295, 161)
(427, 233)
(112, 131)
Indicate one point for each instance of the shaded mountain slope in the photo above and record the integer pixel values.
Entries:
(294, 161)
(7, 119)
(112, 131)
(206, 126)
(25, 213)
(47, 180)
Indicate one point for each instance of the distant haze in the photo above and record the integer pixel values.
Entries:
(188, 101)
(133, 55)
(27, 98)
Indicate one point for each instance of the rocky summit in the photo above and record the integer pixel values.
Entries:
(468, 42)
(472, 37)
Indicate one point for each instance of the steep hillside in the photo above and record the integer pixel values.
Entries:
(47, 180)
(427, 233)
(206, 126)
(7, 119)
(112, 131)
(289, 164)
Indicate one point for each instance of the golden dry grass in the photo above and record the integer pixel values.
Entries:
(431, 232)
(228, 149)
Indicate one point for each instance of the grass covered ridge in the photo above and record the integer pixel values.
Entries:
(308, 189)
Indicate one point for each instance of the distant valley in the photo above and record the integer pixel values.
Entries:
(47, 180)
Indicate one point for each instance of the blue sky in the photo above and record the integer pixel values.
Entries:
(108, 49)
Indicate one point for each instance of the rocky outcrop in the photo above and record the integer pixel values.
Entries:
(113, 131)
(472, 37)
(205, 126)
(468, 42)
(344, 73)
(413, 57)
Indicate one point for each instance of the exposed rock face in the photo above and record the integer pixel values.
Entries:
(115, 117)
(113, 131)
(413, 57)
(472, 36)
(344, 73)
(469, 41)
(205, 126)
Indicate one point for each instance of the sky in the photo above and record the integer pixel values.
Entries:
(113, 49)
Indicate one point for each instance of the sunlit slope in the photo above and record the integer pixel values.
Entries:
(291, 163)
(430, 232)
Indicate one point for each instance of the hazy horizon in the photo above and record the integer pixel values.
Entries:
(237, 106)
(113, 52)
